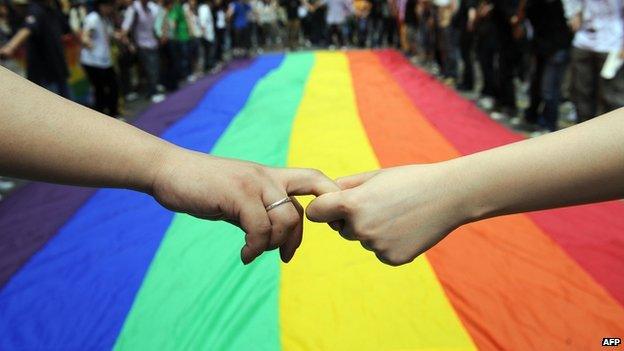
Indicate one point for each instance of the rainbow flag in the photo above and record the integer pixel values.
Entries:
(84, 269)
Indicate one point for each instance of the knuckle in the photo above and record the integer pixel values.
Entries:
(349, 202)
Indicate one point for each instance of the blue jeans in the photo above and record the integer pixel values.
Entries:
(150, 60)
(58, 87)
(546, 88)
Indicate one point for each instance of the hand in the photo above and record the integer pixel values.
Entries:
(397, 213)
(6, 52)
(575, 22)
(215, 188)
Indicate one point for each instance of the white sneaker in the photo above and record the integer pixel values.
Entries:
(486, 103)
(132, 97)
(516, 121)
(158, 98)
(6, 185)
(498, 116)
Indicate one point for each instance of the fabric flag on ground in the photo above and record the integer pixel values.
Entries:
(84, 269)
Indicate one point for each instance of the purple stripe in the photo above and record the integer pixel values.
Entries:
(32, 215)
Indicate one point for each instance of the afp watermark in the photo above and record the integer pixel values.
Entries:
(611, 342)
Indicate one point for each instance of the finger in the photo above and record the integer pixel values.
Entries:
(288, 248)
(327, 208)
(367, 245)
(257, 226)
(304, 181)
(355, 180)
(347, 232)
(284, 218)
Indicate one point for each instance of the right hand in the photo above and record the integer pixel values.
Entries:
(398, 213)
(236, 191)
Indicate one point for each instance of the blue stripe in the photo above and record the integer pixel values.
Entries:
(75, 293)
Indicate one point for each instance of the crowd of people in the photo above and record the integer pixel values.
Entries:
(560, 49)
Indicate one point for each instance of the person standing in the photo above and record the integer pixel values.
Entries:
(294, 24)
(138, 23)
(463, 25)
(96, 60)
(206, 25)
(42, 31)
(220, 21)
(551, 51)
(599, 27)
(238, 13)
(190, 8)
(337, 12)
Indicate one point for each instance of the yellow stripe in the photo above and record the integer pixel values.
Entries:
(335, 295)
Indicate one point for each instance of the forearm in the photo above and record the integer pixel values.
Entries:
(578, 165)
(45, 137)
(18, 39)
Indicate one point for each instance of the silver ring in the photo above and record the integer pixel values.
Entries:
(278, 203)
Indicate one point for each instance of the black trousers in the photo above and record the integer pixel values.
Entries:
(106, 94)
(466, 42)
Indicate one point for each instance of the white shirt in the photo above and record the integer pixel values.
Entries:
(267, 13)
(221, 19)
(602, 28)
(206, 22)
(338, 10)
(140, 20)
(99, 30)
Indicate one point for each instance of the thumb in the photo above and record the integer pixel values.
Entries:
(355, 180)
(305, 181)
(326, 208)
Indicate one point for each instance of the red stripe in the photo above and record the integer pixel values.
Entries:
(592, 235)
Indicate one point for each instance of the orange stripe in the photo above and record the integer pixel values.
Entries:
(512, 286)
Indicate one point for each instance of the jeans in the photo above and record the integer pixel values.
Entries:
(448, 52)
(149, 60)
(546, 88)
(57, 87)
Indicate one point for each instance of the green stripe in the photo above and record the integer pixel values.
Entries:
(197, 295)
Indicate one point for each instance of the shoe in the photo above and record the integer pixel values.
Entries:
(538, 133)
(158, 98)
(191, 78)
(6, 185)
(131, 97)
(486, 103)
(516, 121)
(160, 88)
(498, 116)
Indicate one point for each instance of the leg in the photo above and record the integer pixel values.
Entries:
(584, 84)
(612, 92)
(112, 92)
(535, 93)
(551, 87)
(97, 83)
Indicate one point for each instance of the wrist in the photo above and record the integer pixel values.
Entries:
(157, 163)
(466, 187)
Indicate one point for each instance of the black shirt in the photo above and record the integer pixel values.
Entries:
(550, 29)
(292, 8)
(45, 55)
(410, 13)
